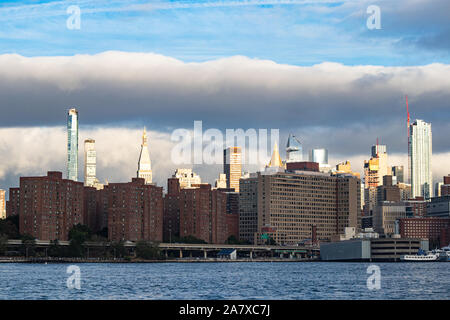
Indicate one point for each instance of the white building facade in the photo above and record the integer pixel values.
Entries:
(420, 152)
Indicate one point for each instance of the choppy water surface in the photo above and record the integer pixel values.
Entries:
(321, 280)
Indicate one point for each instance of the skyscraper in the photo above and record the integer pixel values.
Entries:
(72, 145)
(144, 164)
(420, 150)
(2, 204)
(398, 174)
(232, 166)
(90, 163)
(294, 150)
(320, 156)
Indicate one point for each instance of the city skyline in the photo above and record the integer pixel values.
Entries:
(212, 171)
(326, 78)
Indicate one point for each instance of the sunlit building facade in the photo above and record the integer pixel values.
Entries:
(420, 151)
(144, 164)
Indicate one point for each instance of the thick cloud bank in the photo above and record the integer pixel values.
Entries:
(342, 108)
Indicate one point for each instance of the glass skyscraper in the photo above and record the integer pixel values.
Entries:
(420, 150)
(72, 145)
(294, 150)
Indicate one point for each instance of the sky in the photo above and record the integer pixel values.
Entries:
(312, 68)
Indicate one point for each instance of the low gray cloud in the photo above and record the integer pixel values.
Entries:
(342, 108)
(117, 88)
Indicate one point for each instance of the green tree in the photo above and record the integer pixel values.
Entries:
(28, 247)
(78, 235)
(146, 250)
(3, 243)
(103, 233)
(118, 249)
(189, 239)
(9, 227)
(233, 240)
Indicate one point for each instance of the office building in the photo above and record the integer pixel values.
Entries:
(294, 150)
(289, 203)
(346, 167)
(144, 164)
(187, 178)
(405, 191)
(371, 249)
(72, 145)
(248, 208)
(374, 170)
(321, 157)
(387, 191)
(2, 204)
(232, 166)
(416, 207)
(397, 174)
(439, 207)
(420, 152)
(385, 216)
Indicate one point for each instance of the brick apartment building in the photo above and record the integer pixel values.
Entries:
(171, 217)
(13, 204)
(200, 211)
(430, 228)
(134, 211)
(48, 206)
(203, 214)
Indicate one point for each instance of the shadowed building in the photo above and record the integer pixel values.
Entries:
(171, 218)
(135, 211)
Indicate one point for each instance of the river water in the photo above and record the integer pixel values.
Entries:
(280, 281)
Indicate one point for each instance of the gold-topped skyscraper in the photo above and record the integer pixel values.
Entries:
(144, 164)
(232, 166)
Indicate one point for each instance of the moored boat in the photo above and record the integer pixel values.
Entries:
(421, 256)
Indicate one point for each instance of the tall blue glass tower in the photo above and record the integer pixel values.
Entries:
(72, 145)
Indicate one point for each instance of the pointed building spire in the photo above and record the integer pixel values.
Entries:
(276, 159)
(144, 137)
(144, 164)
